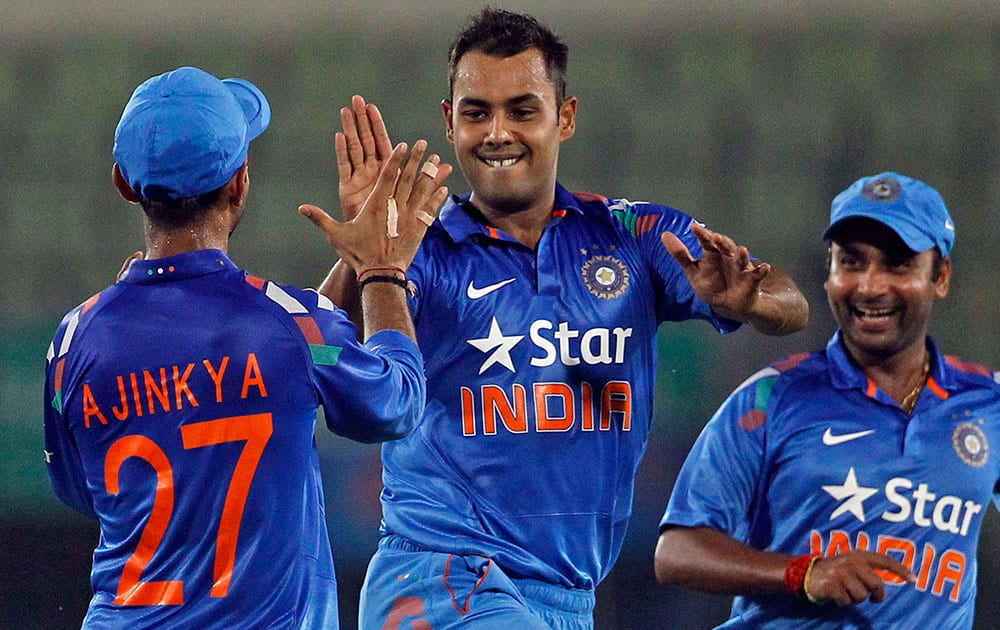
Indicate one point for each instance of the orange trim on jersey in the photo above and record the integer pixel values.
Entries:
(937, 389)
(494, 233)
(789, 362)
(60, 366)
(588, 196)
(558, 214)
(256, 282)
(310, 330)
(872, 388)
(967, 366)
(464, 610)
(90, 303)
(646, 223)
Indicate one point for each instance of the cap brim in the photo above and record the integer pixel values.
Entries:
(913, 238)
(254, 104)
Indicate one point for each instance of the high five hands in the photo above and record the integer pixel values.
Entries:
(399, 203)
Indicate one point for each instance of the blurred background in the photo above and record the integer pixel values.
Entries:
(749, 115)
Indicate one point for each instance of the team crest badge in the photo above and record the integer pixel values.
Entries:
(970, 444)
(605, 276)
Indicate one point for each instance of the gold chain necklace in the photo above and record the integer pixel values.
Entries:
(910, 401)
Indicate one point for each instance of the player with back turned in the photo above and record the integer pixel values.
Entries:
(537, 310)
(181, 402)
(846, 488)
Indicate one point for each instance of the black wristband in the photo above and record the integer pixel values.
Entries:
(399, 282)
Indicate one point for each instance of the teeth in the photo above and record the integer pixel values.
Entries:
(501, 163)
(884, 312)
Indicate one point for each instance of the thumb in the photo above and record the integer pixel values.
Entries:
(677, 249)
(317, 215)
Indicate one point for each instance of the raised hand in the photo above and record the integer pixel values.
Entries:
(724, 276)
(362, 149)
(389, 226)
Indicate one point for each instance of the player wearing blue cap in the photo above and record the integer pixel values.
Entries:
(537, 311)
(181, 402)
(846, 488)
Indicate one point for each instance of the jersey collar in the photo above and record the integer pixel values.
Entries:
(187, 265)
(846, 375)
(461, 226)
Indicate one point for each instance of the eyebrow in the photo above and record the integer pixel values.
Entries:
(517, 100)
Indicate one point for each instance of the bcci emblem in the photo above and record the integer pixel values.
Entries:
(605, 276)
(970, 444)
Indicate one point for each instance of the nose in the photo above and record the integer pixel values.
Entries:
(498, 132)
(872, 280)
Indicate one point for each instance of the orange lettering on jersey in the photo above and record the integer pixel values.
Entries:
(617, 399)
(121, 413)
(840, 542)
(547, 394)
(180, 385)
(135, 394)
(951, 568)
(161, 392)
(923, 578)
(495, 403)
(468, 413)
(217, 375)
(587, 408)
(889, 544)
(253, 377)
(90, 407)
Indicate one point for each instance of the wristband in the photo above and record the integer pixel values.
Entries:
(398, 270)
(797, 571)
(399, 282)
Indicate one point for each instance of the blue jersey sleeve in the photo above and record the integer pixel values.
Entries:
(676, 299)
(721, 477)
(62, 456)
(371, 392)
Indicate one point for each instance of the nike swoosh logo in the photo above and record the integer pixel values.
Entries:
(832, 440)
(475, 294)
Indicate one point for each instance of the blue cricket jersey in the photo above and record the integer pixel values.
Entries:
(809, 455)
(540, 373)
(181, 406)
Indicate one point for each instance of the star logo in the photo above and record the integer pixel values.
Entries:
(500, 346)
(852, 495)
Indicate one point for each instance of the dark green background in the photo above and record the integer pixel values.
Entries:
(749, 118)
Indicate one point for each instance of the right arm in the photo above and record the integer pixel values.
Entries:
(709, 560)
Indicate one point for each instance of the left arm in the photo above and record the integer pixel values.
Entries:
(738, 287)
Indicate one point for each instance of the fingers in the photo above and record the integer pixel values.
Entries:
(677, 249)
(380, 135)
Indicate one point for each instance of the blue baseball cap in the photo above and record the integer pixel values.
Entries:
(911, 208)
(185, 133)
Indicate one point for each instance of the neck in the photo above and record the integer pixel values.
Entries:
(525, 224)
(212, 233)
(902, 376)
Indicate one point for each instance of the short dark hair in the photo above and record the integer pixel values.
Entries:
(501, 33)
(172, 214)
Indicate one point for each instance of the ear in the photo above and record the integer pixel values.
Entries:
(567, 118)
(943, 282)
(238, 187)
(446, 109)
(124, 189)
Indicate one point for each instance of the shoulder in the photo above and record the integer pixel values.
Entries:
(970, 375)
(636, 217)
(759, 398)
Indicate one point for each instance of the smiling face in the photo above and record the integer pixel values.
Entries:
(506, 124)
(881, 292)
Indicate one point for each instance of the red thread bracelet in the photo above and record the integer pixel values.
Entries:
(796, 571)
(361, 273)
